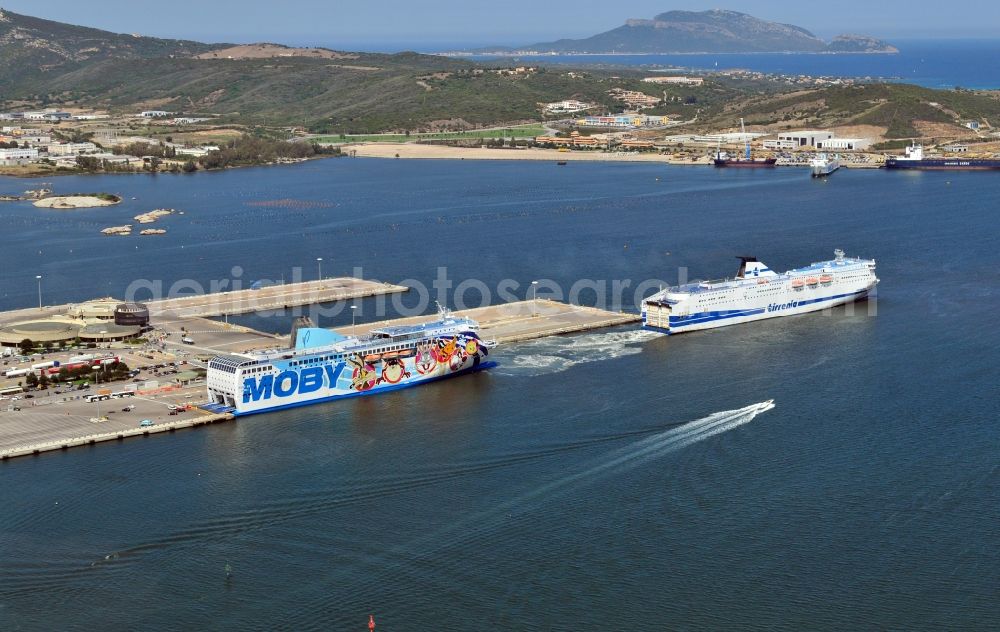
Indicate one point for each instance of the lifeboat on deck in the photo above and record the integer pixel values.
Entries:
(826, 279)
(812, 281)
(798, 284)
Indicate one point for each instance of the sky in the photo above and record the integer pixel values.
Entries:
(439, 24)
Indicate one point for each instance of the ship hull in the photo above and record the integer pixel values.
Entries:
(746, 164)
(388, 359)
(944, 165)
(348, 393)
(822, 172)
(758, 293)
(723, 318)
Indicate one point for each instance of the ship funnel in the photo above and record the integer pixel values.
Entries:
(750, 267)
(302, 322)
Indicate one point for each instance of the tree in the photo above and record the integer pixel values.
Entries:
(43, 381)
(189, 167)
(31, 380)
(26, 346)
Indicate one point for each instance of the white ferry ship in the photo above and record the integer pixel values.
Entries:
(757, 292)
(822, 165)
(324, 365)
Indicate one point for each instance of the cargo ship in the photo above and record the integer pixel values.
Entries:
(723, 159)
(757, 292)
(822, 165)
(913, 158)
(323, 365)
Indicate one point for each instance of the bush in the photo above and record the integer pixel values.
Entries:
(250, 150)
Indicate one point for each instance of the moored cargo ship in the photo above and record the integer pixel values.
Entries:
(723, 159)
(323, 365)
(913, 158)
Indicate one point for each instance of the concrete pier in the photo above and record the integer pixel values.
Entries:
(270, 298)
(29, 433)
(523, 320)
(51, 420)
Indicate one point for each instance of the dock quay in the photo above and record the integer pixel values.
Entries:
(32, 433)
(522, 320)
(54, 419)
(272, 297)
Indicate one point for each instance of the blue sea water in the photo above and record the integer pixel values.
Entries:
(605, 481)
(969, 63)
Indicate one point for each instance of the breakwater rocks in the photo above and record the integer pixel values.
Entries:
(152, 216)
(78, 200)
(121, 231)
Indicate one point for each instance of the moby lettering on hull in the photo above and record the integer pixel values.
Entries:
(289, 383)
(324, 365)
(758, 292)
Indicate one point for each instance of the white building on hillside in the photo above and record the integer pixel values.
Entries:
(845, 144)
(806, 138)
(17, 156)
(682, 81)
(71, 149)
(567, 107)
(779, 145)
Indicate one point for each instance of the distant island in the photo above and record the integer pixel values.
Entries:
(81, 100)
(715, 31)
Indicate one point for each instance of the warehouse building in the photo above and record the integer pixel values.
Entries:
(806, 138)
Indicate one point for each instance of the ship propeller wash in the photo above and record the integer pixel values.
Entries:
(757, 292)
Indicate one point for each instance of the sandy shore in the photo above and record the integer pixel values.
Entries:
(441, 152)
(73, 201)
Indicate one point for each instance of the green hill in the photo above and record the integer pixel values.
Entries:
(897, 107)
(326, 91)
(35, 47)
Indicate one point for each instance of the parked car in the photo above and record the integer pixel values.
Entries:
(145, 423)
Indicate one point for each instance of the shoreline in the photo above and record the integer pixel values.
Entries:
(443, 152)
(43, 173)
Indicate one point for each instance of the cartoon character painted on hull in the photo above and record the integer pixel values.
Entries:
(445, 349)
(365, 376)
(393, 371)
(456, 351)
(425, 360)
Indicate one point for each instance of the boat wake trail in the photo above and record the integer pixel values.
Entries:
(422, 559)
(409, 557)
(623, 459)
(556, 353)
